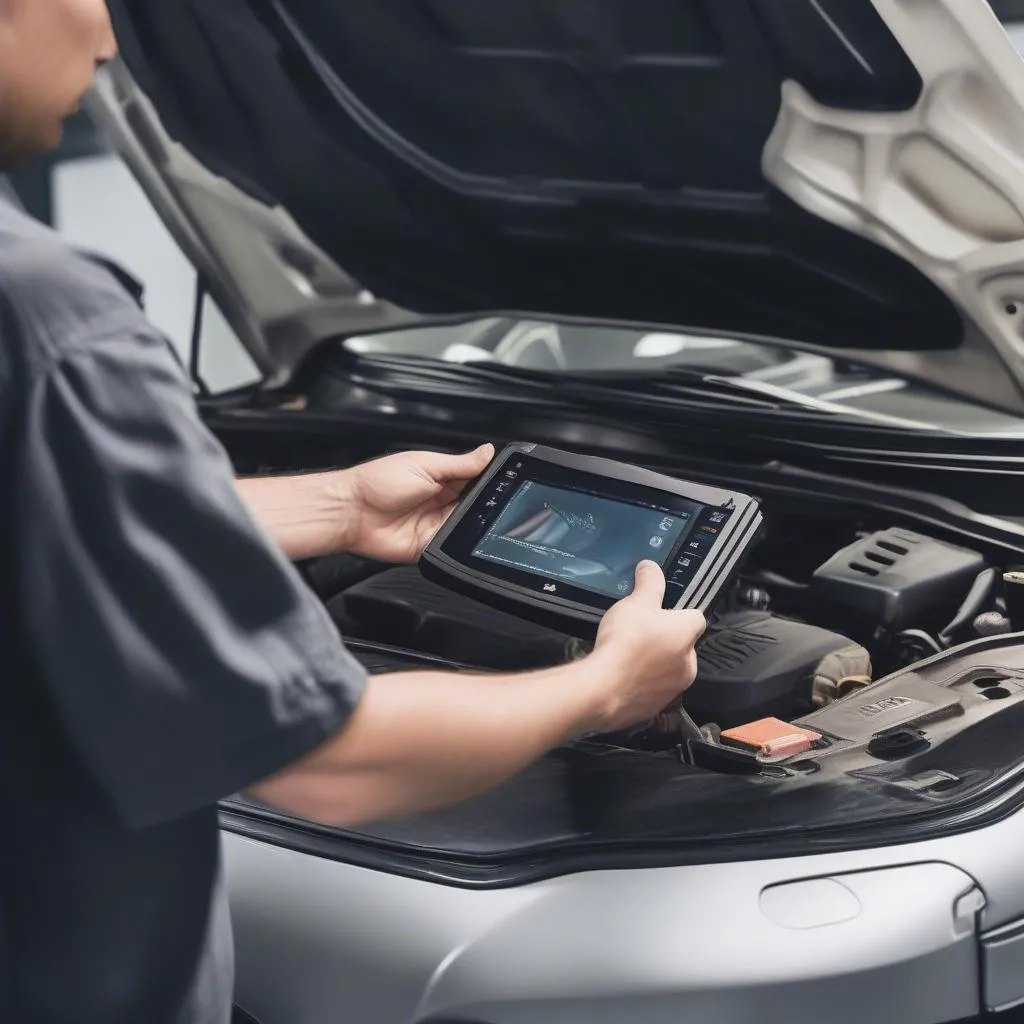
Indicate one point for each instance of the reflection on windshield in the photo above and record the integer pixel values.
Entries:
(814, 381)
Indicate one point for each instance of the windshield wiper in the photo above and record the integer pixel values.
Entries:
(823, 405)
(667, 389)
(413, 376)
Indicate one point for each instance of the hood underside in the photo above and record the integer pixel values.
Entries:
(842, 174)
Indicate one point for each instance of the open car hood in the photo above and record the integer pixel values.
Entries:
(845, 175)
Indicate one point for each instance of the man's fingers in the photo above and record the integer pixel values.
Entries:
(649, 582)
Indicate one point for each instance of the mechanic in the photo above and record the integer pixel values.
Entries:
(159, 650)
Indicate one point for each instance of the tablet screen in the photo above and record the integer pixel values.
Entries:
(590, 541)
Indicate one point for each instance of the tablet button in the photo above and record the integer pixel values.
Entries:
(700, 543)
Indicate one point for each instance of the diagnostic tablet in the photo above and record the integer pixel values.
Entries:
(555, 537)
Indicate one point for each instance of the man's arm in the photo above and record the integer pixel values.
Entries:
(306, 516)
(422, 740)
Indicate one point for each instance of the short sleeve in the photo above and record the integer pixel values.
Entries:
(184, 656)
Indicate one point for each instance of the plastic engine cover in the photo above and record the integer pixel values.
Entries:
(400, 607)
(752, 664)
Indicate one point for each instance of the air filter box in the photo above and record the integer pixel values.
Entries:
(893, 580)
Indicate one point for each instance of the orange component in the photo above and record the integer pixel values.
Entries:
(771, 737)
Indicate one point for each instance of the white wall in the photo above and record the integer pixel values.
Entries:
(99, 205)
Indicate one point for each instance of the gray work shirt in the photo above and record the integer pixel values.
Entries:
(157, 653)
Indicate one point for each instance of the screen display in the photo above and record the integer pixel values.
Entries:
(589, 541)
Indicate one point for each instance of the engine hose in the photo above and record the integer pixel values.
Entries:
(979, 594)
(917, 644)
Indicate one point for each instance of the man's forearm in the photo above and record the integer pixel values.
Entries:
(423, 740)
(306, 515)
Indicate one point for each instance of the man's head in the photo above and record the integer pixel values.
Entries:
(49, 52)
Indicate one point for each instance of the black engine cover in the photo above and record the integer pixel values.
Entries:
(400, 607)
(753, 664)
(894, 579)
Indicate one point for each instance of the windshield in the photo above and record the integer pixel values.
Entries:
(814, 381)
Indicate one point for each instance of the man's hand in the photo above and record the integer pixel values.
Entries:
(387, 509)
(650, 651)
(396, 504)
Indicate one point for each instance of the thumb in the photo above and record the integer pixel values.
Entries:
(692, 623)
(481, 456)
(649, 583)
(451, 469)
(472, 463)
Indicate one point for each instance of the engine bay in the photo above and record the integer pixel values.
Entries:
(879, 628)
(817, 613)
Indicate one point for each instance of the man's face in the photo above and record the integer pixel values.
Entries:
(49, 52)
